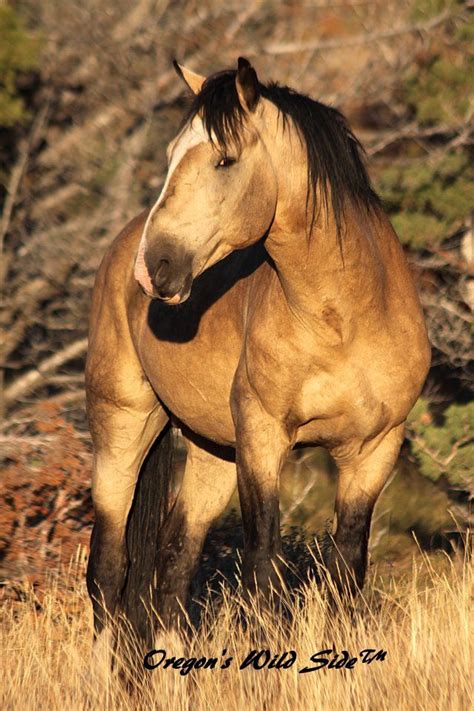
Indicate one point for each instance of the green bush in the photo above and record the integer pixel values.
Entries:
(429, 200)
(444, 445)
(18, 53)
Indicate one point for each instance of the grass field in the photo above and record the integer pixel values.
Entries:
(420, 617)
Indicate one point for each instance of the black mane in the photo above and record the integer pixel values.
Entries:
(334, 154)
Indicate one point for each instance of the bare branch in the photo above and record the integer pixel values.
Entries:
(17, 174)
(357, 41)
(414, 131)
(36, 377)
(299, 500)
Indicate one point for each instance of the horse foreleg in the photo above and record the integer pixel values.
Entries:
(262, 446)
(361, 480)
(208, 483)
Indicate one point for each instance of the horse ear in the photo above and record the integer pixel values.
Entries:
(192, 80)
(246, 83)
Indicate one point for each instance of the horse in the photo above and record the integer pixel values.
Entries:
(264, 302)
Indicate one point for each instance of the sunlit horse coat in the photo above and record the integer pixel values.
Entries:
(282, 312)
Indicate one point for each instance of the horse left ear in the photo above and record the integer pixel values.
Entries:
(246, 83)
(194, 81)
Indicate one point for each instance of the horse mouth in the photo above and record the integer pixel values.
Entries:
(178, 298)
(174, 300)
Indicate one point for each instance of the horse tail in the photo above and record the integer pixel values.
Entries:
(151, 504)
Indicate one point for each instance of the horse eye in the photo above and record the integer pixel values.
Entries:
(225, 162)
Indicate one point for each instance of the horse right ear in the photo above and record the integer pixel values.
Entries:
(246, 83)
(191, 79)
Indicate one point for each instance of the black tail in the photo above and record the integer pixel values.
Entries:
(151, 504)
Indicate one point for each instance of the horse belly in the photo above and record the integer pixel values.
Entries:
(194, 384)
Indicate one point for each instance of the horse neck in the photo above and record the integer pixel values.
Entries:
(317, 267)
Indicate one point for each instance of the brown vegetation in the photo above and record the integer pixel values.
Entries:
(44, 496)
(423, 625)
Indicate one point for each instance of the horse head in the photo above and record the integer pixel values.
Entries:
(220, 191)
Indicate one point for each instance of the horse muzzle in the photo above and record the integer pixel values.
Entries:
(163, 274)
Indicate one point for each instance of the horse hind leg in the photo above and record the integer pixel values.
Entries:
(123, 430)
(208, 483)
(361, 480)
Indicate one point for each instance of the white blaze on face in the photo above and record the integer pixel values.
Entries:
(192, 136)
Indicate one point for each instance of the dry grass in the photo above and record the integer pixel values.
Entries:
(422, 621)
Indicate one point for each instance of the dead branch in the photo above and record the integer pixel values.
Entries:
(25, 304)
(299, 500)
(13, 188)
(359, 40)
(414, 131)
(18, 171)
(38, 376)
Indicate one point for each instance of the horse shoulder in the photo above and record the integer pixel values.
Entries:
(112, 370)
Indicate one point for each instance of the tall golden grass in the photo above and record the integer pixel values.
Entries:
(421, 620)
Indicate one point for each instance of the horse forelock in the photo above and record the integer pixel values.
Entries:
(220, 110)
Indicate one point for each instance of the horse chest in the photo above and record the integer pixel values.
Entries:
(338, 406)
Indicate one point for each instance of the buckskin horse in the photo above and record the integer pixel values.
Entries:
(263, 302)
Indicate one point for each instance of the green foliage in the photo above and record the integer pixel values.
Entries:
(428, 199)
(424, 9)
(439, 86)
(441, 90)
(444, 447)
(18, 53)
(428, 185)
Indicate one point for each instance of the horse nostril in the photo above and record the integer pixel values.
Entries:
(162, 271)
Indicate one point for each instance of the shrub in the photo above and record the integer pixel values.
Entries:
(18, 54)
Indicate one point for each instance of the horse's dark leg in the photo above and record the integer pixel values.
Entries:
(361, 479)
(208, 483)
(122, 435)
(262, 446)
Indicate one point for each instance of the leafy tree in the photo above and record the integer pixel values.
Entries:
(427, 185)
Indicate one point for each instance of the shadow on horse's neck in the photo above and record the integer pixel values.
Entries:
(310, 268)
